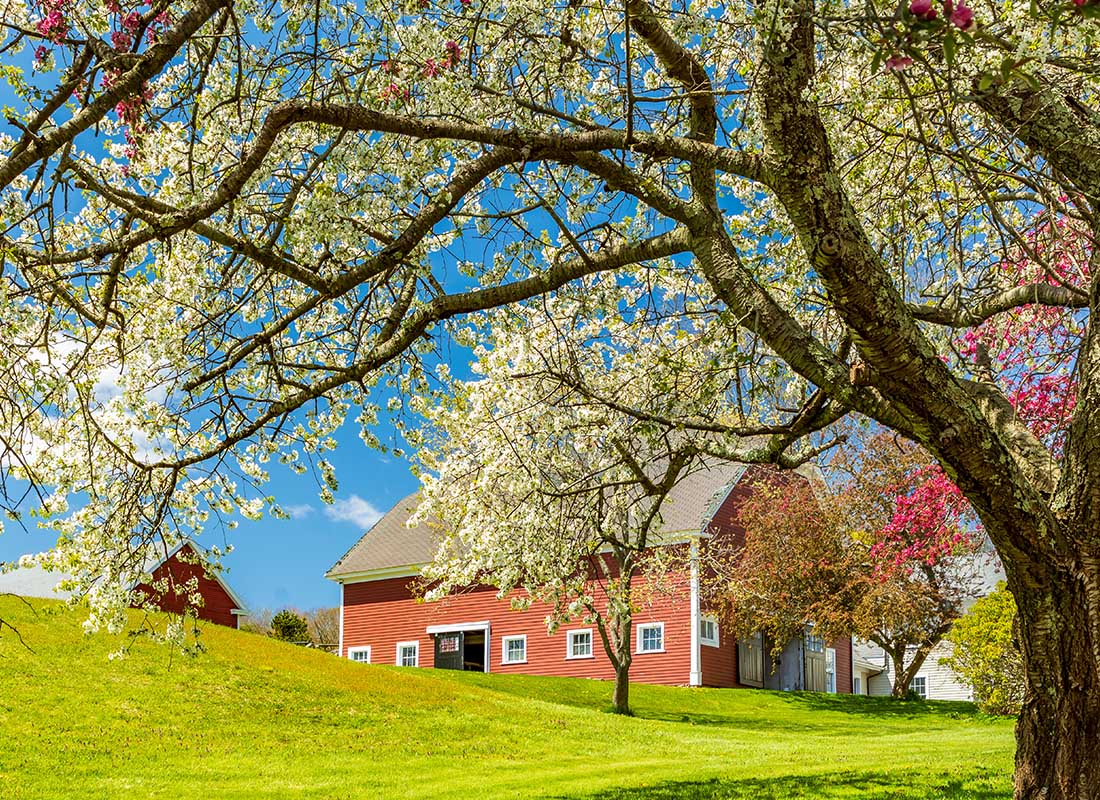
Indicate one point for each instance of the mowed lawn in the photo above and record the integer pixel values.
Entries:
(255, 718)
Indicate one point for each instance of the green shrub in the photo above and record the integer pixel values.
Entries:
(290, 627)
(987, 655)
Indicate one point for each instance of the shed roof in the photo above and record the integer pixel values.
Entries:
(33, 582)
(391, 544)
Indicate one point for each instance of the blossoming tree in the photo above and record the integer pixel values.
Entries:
(889, 555)
(226, 223)
(549, 472)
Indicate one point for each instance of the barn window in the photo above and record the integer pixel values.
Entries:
(708, 631)
(919, 687)
(514, 650)
(580, 644)
(408, 654)
(651, 637)
(359, 654)
(815, 644)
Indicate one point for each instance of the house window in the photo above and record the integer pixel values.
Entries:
(708, 631)
(359, 654)
(857, 688)
(830, 670)
(580, 644)
(514, 650)
(815, 644)
(651, 637)
(408, 654)
(919, 687)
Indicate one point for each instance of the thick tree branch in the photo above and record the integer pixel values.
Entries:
(960, 315)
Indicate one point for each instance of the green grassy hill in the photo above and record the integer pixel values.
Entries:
(254, 718)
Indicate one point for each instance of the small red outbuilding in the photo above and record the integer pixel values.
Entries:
(220, 604)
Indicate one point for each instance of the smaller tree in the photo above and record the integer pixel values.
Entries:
(986, 653)
(889, 557)
(324, 625)
(290, 627)
(258, 621)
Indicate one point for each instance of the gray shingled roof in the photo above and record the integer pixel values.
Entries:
(390, 544)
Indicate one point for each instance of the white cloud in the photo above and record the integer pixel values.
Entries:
(299, 511)
(354, 509)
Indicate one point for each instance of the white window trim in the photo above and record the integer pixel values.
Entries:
(916, 678)
(702, 639)
(504, 648)
(638, 632)
(416, 648)
(569, 644)
(364, 649)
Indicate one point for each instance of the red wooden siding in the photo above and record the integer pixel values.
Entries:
(843, 648)
(719, 664)
(217, 605)
(382, 613)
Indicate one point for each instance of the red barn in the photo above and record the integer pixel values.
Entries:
(220, 604)
(676, 641)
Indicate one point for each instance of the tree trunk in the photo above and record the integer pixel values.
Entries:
(903, 675)
(621, 697)
(1058, 732)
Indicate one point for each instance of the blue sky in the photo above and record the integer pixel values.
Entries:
(281, 563)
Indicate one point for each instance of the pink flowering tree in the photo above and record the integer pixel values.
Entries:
(888, 554)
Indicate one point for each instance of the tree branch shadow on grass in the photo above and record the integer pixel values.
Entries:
(978, 785)
(591, 695)
(887, 706)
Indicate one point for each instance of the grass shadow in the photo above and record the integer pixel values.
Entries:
(885, 707)
(977, 785)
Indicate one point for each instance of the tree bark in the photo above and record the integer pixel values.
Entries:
(903, 675)
(621, 697)
(1058, 731)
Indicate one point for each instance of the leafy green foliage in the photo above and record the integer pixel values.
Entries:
(987, 654)
(289, 627)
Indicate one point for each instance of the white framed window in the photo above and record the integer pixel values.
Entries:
(408, 654)
(513, 649)
(579, 644)
(857, 687)
(708, 631)
(919, 687)
(830, 670)
(360, 655)
(651, 637)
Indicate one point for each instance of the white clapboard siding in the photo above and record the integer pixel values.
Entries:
(942, 683)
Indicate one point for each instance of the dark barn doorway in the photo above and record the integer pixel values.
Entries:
(462, 648)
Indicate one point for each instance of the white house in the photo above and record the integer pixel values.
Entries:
(873, 673)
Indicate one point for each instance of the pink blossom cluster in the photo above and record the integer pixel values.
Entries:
(431, 68)
(128, 25)
(54, 24)
(393, 92)
(1031, 349)
(131, 113)
(925, 17)
(927, 525)
(961, 15)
